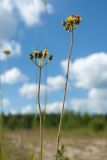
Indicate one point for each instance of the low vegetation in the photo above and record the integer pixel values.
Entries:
(71, 121)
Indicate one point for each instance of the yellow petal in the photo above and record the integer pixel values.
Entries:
(36, 52)
(45, 52)
(70, 19)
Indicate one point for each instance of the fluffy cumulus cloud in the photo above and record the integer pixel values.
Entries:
(64, 65)
(29, 11)
(53, 83)
(98, 93)
(5, 102)
(30, 89)
(27, 110)
(13, 112)
(12, 46)
(13, 76)
(54, 107)
(90, 73)
(14, 12)
(8, 27)
(8, 23)
(91, 106)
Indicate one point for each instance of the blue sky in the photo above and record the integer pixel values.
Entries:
(24, 26)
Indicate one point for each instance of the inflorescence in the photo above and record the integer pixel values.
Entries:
(7, 52)
(40, 59)
(71, 22)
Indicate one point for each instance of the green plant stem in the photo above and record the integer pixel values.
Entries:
(64, 97)
(1, 119)
(40, 114)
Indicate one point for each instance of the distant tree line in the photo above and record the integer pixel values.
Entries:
(71, 121)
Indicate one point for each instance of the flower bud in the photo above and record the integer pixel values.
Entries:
(40, 55)
(31, 56)
(50, 58)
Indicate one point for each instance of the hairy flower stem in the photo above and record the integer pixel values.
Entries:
(40, 115)
(1, 120)
(64, 97)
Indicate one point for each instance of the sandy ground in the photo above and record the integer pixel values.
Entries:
(77, 147)
(81, 148)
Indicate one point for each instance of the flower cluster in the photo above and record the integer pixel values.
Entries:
(39, 57)
(7, 52)
(71, 22)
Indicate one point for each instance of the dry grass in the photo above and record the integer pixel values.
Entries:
(77, 147)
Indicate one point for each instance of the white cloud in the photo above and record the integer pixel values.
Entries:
(64, 65)
(27, 110)
(54, 107)
(53, 83)
(13, 76)
(91, 71)
(29, 90)
(12, 46)
(32, 10)
(12, 112)
(14, 12)
(7, 5)
(5, 102)
(89, 105)
(98, 93)
(29, 11)
(8, 24)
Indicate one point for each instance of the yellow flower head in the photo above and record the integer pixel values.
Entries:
(40, 58)
(36, 53)
(74, 19)
(45, 52)
(71, 22)
(70, 19)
